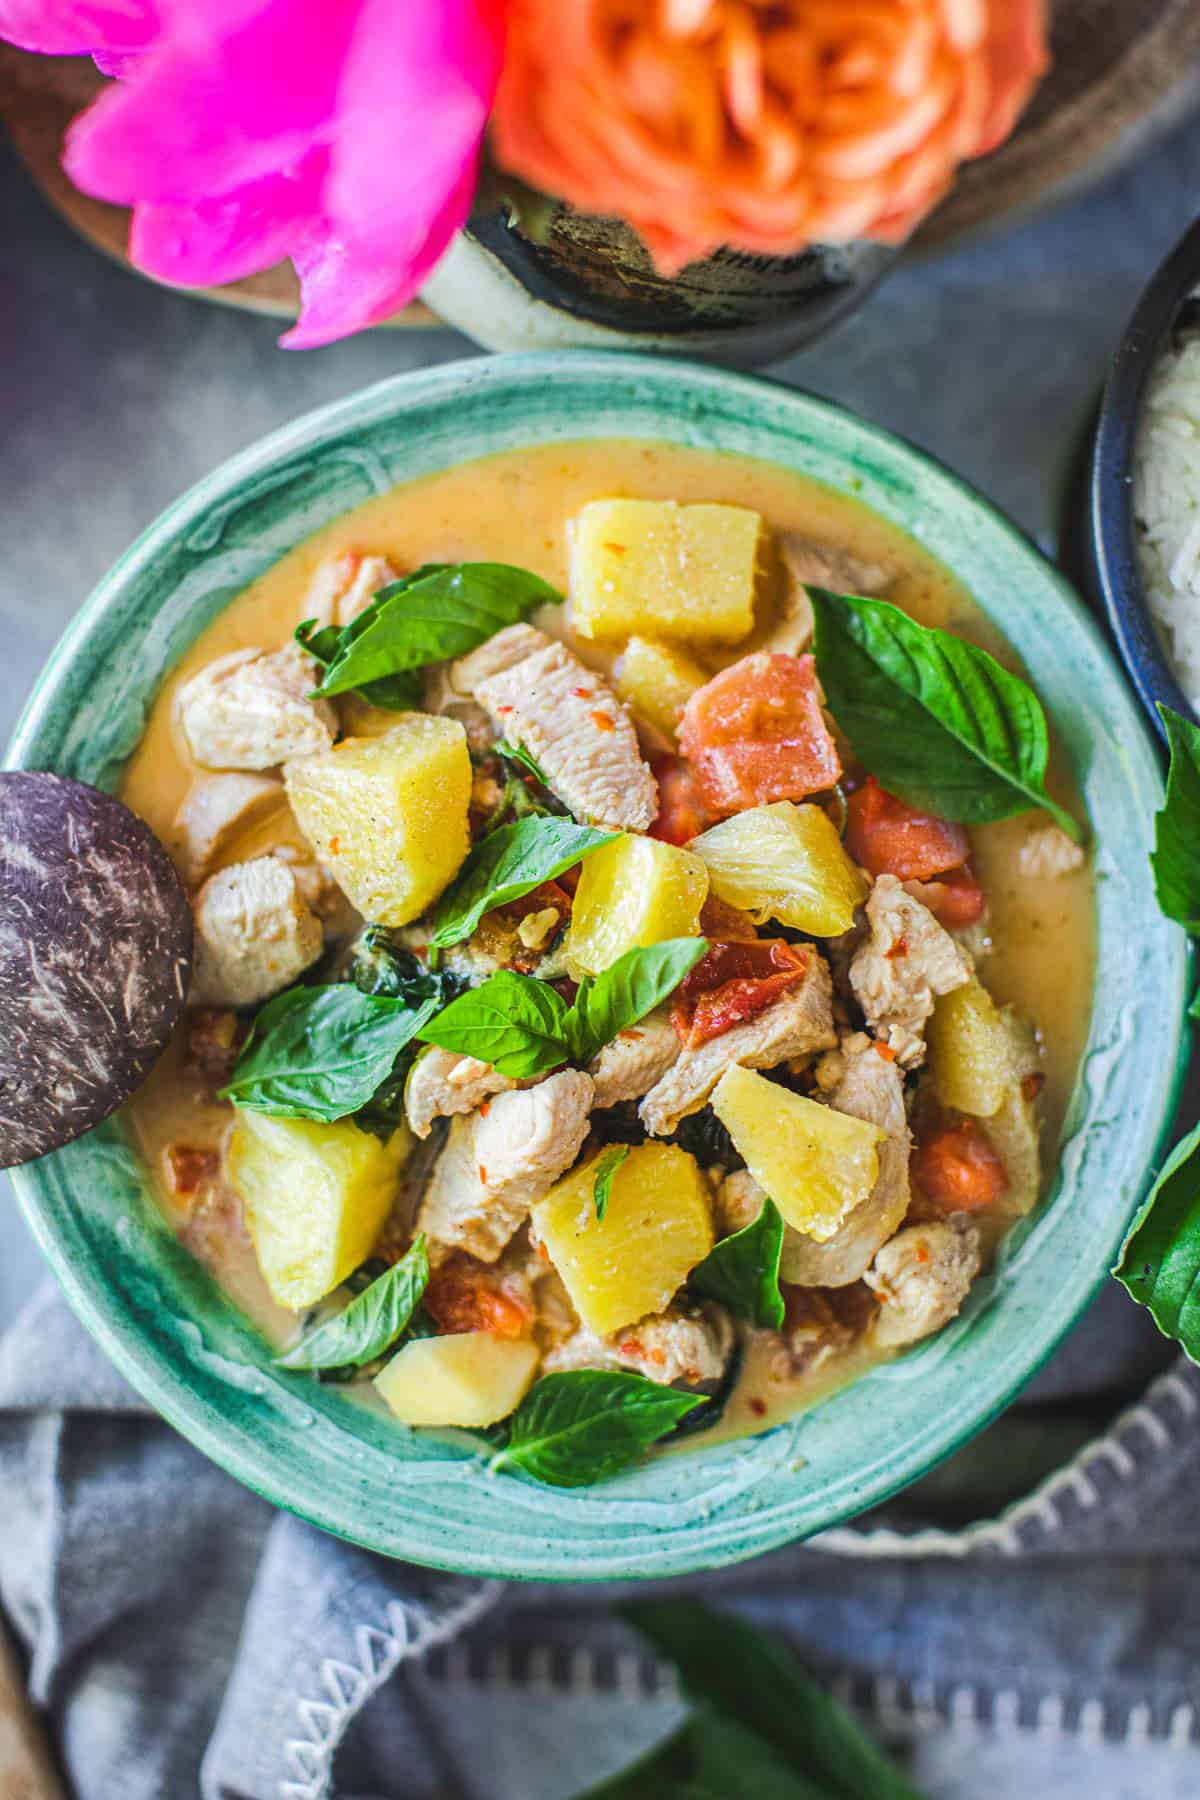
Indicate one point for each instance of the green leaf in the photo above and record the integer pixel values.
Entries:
(514, 1022)
(1159, 1262)
(635, 984)
(585, 1424)
(1175, 858)
(742, 1272)
(370, 1324)
(507, 864)
(322, 1052)
(937, 720)
(396, 693)
(433, 615)
(746, 1675)
(727, 1758)
(378, 966)
(517, 753)
(609, 1162)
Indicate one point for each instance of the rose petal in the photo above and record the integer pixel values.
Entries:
(210, 242)
(78, 27)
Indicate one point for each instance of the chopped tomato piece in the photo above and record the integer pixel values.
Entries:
(733, 982)
(756, 733)
(682, 812)
(956, 900)
(956, 1168)
(462, 1295)
(190, 1167)
(886, 837)
(550, 893)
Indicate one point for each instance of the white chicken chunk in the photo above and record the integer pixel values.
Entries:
(572, 724)
(496, 1164)
(739, 1202)
(216, 811)
(631, 1063)
(1048, 851)
(905, 963)
(254, 934)
(443, 1083)
(800, 1021)
(345, 586)
(251, 710)
(806, 561)
(869, 1087)
(921, 1277)
(691, 1345)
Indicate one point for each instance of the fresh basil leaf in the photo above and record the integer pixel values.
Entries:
(432, 616)
(321, 641)
(514, 1022)
(609, 1162)
(512, 861)
(517, 753)
(585, 1424)
(727, 1758)
(635, 984)
(322, 1052)
(742, 1271)
(370, 1324)
(743, 1674)
(939, 721)
(1175, 858)
(1159, 1262)
(395, 693)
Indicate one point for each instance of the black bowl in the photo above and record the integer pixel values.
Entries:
(1112, 535)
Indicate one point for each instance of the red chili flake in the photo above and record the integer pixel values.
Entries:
(484, 1108)
(616, 549)
(504, 711)
(884, 1050)
(922, 1253)
(757, 1407)
(335, 844)
(899, 948)
(583, 693)
(632, 1347)
(603, 721)
(483, 1174)
(1032, 1086)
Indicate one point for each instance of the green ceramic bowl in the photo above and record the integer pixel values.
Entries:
(429, 1497)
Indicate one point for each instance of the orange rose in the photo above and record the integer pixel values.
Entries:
(763, 124)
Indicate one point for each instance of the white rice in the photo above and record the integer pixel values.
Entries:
(1166, 504)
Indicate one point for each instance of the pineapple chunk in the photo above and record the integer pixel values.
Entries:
(784, 862)
(664, 570)
(657, 681)
(970, 1051)
(632, 891)
(816, 1164)
(316, 1197)
(388, 815)
(471, 1378)
(656, 1228)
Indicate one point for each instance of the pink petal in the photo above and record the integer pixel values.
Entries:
(210, 242)
(77, 27)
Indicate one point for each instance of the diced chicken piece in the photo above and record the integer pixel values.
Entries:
(898, 973)
(439, 695)
(345, 586)
(442, 1083)
(1048, 851)
(976, 938)
(871, 1088)
(254, 934)
(631, 1063)
(922, 1276)
(801, 1020)
(251, 710)
(496, 1164)
(690, 1345)
(739, 1202)
(216, 811)
(317, 887)
(810, 563)
(544, 699)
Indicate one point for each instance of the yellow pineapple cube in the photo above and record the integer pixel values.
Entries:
(315, 1198)
(784, 862)
(471, 1378)
(656, 1227)
(388, 815)
(657, 681)
(632, 891)
(816, 1164)
(970, 1057)
(658, 569)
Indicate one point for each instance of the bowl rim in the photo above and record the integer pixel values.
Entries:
(119, 1331)
(1112, 532)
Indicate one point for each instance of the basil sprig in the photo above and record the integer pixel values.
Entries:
(742, 1271)
(607, 1164)
(370, 1324)
(524, 1027)
(396, 693)
(1159, 1264)
(440, 611)
(323, 1052)
(582, 1425)
(508, 864)
(1175, 858)
(939, 721)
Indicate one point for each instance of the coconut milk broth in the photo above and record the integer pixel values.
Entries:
(514, 507)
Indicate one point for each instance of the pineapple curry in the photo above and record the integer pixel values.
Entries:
(643, 948)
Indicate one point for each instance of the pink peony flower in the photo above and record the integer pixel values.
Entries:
(342, 133)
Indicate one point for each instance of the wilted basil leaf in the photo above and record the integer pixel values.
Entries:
(514, 1022)
(635, 984)
(609, 1162)
(322, 1052)
(509, 863)
(742, 1271)
(1159, 1262)
(370, 1324)
(1175, 858)
(577, 1427)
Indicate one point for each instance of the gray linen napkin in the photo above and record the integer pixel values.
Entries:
(185, 1638)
